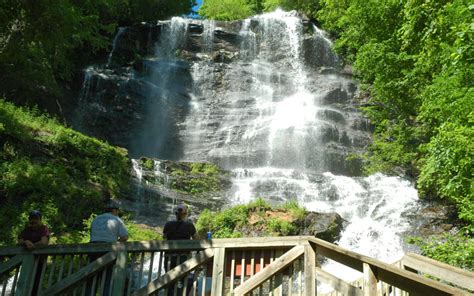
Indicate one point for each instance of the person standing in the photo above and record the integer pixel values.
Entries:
(35, 232)
(106, 228)
(33, 235)
(179, 229)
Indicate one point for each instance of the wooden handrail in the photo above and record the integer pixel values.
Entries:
(387, 273)
(217, 267)
(440, 270)
(155, 245)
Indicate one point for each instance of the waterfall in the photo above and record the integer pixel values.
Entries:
(286, 129)
(114, 44)
(263, 98)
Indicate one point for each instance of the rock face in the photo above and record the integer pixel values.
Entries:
(258, 93)
(433, 218)
(160, 184)
(205, 186)
(144, 98)
(326, 226)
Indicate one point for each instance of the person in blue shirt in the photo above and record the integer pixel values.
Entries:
(108, 227)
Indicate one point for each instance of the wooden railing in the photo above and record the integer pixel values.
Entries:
(247, 266)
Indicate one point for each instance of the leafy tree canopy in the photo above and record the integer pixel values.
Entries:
(42, 42)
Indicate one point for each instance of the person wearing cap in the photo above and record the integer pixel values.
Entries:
(108, 227)
(35, 232)
(182, 228)
(179, 229)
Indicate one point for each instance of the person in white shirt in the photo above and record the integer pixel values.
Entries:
(108, 227)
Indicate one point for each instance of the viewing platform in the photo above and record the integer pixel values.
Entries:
(244, 266)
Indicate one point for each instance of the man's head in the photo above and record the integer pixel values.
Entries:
(34, 218)
(113, 207)
(181, 211)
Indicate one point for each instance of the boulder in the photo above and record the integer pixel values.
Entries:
(326, 226)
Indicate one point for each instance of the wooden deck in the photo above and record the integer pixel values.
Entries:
(247, 266)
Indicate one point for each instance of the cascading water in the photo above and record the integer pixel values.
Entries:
(279, 126)
(268, 103)
(114, 44)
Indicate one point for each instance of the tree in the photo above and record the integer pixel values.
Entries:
(226, 9)
(43, 42)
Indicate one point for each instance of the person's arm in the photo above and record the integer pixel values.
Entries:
(43, 241)
(27, 243)
(30, 245)
(194, 233)
(123, 233)
(166, 230)
(123, 238)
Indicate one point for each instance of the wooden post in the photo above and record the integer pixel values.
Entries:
(218, 274)
(309, 270)
(370, 280)
(27, 273)
(120, 274)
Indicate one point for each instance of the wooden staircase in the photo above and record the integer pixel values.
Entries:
(246, 266)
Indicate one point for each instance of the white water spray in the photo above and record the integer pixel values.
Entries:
(121, 30)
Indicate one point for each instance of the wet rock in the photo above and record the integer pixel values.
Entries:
(336, 95)
(432, 219)
(326, 226)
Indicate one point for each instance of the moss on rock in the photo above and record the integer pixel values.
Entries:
(261, 219)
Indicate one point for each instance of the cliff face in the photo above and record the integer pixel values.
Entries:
(144, 97)
(264, 99)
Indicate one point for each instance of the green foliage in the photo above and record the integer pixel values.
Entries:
(207, 169)
(447, 171)
(308, 7)
(147, 163)
(42, 44)
(48, 167)
(196, 178)
(278, 226)
(233, 221)
(294, 208)
(240, 9)
(226, 9)
(152, 10)
(414, 59)
(259, 205)
(456, 250)
(223, 224)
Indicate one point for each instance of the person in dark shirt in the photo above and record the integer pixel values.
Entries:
(35, 233)
(180, 229)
